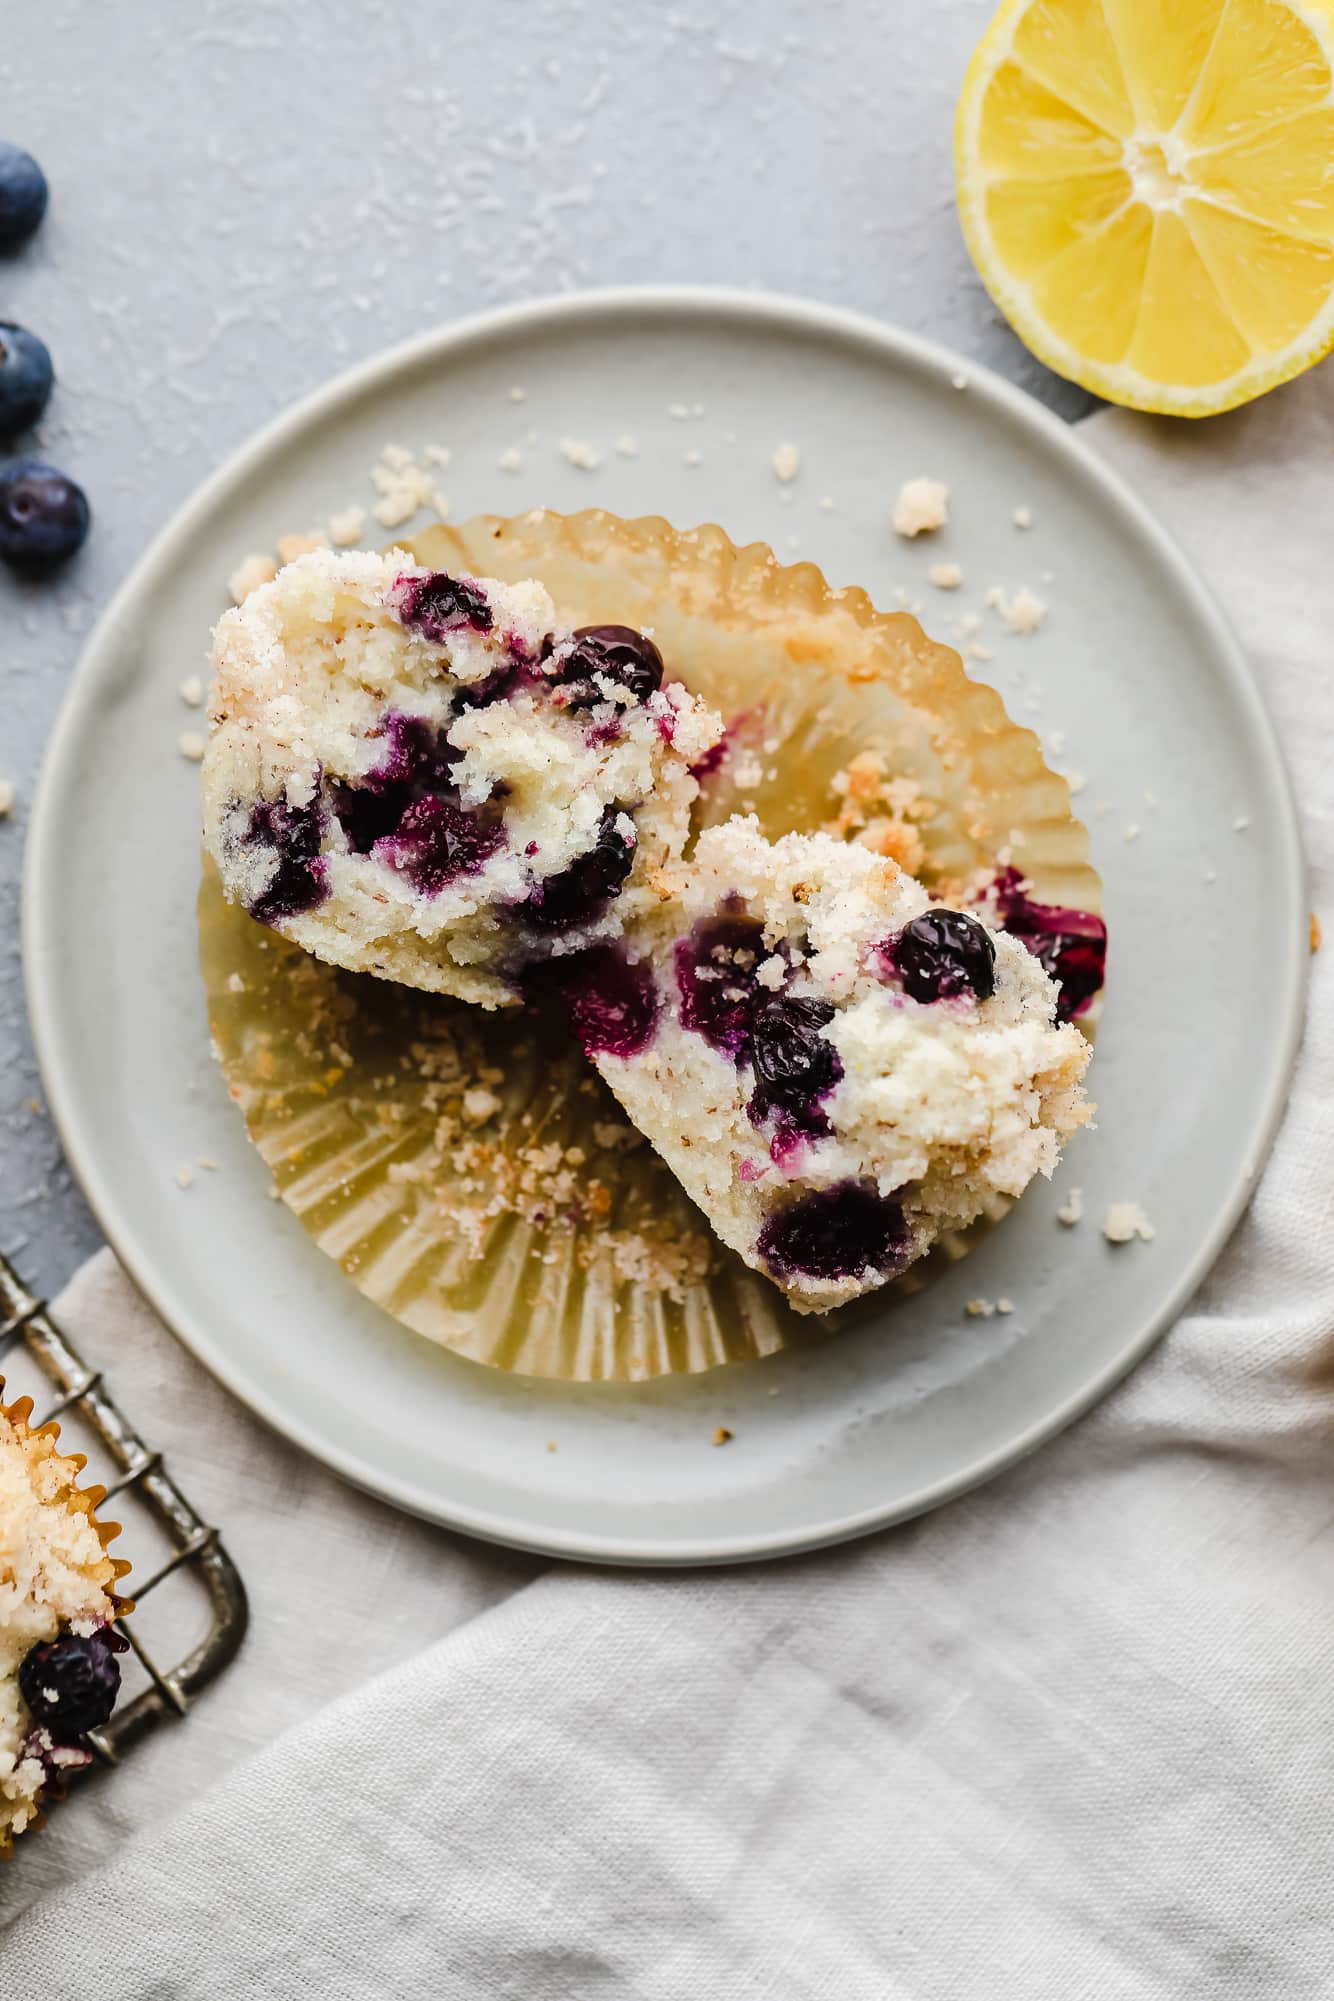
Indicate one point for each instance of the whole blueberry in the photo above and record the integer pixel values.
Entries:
(23, 193)
(942, 954)
(794, 1062)
(26, 376)
(616, 653)
(44, 516)
(71, 1683)
(847, 1231)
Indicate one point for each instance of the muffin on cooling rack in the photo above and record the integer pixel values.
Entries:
(425, 776)
(59, 1676)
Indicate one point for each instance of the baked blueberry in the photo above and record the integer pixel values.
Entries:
(794, 1063)
(300, 880)
(579, 892)
(612, 1000)
(437, 840)
(942, 954)
(835, 1233)
(438, 605)
(715, 976)
(1069, 944)
(44, 516)
(23, 195)
(71, 1683)
(615, 653)
(26, 376)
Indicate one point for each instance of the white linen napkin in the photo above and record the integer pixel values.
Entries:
(1069, 1737)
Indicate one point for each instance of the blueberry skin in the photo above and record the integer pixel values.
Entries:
(26, 376)
(71, 1683)
(44, 517)
(23, 195)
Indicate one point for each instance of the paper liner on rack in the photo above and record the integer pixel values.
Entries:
(467, 1170)
(78, 1501)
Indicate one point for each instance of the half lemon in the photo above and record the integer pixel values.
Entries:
(1147, 189)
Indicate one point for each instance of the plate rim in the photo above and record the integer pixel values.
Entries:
(685, 302)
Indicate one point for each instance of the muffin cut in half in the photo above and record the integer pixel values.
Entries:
(59, 1676)
(422, 776)
(837, 1069)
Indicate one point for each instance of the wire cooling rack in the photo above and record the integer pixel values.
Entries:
(205, 1633)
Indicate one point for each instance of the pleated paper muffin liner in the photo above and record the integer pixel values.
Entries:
(468, 1171)
(77, 1501)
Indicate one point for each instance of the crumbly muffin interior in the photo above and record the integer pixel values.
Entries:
(836, 1069)
(427, 778)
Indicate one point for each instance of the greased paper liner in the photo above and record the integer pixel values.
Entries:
(79, 1501)
(463, 1220)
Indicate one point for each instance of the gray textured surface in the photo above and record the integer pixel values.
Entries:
(247, 199)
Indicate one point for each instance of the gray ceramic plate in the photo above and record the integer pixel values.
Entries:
(1133, 665)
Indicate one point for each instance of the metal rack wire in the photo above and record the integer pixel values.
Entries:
(195, 1548)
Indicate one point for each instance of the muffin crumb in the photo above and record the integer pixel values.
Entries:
(1124, 1222)
(722, 1436)
(945, 576)
(1022, 517)
(923, 505)
(786, 462)
(1314, 934)
(191, 745)
(292, 546)
(191, 692)
(580, 454)
(249, 575)
(346, 527)
(1071, 1210)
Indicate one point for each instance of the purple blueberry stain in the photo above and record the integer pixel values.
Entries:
(612, 999)
(942, 955)
(292, 835)
(418, 762)
(1070, 945)
(438, 606)
(579, 893)
(849, 1231)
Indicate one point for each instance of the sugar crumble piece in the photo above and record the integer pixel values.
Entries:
(975, 651)
(1314, 934)
(184, 1176)
(693, 457)
(1022, 517)
(1023, 613)
(1124, 1222)
(206, 1161)
(580, 454)
(1071, 1210)
(923, 505)
(627, 446)
(1241, 823)
(236, 983)
(786, 462)
(249, 575)
(404, 483)
(191, 692)
(980, 1309)
(826, 503)
(517, 394)
(1005, 1306)
(7, 796)
(1132, 831)
(292, 546)
(191, 745)
(945, 576)
(510, 460)
(722, 1436)
(772, 973)
(1075, 780)
(346, 526)
(479, 1104)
